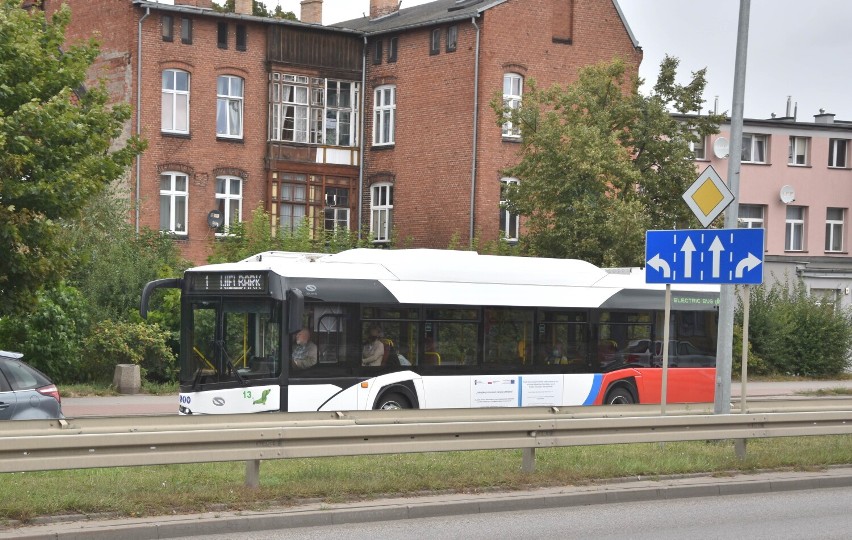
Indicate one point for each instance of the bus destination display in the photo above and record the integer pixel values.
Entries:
(253, 282)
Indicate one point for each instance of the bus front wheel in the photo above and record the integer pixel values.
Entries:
(619, 396)
(393, 402)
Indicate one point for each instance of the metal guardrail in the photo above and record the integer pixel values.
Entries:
(77, 443)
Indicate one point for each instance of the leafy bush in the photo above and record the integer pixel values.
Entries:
(796, 333)
(49, 335)
(756, 364)
(114, 342)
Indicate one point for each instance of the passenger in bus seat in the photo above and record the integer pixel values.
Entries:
(304, 351)
(374, 349)
(557, 355)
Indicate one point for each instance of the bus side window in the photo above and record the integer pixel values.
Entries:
(331, 339)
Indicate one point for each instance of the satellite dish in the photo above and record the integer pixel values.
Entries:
(788, 194)
(721, 148)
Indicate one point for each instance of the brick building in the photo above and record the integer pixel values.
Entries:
(381, 124)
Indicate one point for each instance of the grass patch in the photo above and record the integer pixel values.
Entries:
(147, 491)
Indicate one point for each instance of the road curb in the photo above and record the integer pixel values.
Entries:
(319, 514)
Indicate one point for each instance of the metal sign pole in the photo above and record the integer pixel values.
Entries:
(744, 376)
(722, 401)
(665, 386)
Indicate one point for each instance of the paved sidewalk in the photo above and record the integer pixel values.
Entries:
(430, 506)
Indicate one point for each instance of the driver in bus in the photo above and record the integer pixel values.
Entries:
(305, 351)
(374, 350)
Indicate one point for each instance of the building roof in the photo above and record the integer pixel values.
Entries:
(439, 12)
(192, 10)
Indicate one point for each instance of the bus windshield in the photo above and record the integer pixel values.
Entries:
(231, 340)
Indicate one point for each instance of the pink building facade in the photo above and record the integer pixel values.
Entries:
(796, 183)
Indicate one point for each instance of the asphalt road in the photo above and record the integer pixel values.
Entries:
(129, 405)
(812, 514)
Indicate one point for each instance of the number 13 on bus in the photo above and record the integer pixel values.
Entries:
(428, 329)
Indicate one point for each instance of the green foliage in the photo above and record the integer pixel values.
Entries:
(112, 262)
(599, 162)
(111, 343)
(50, 333)
(256, 236)
(56, 147)
(797, 333)
(756, 364)
(258, 10)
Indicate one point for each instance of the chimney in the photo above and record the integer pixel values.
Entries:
(312, 11)
(824, 117)
(243, 7)
(380, 8)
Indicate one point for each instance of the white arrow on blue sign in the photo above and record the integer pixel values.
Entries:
(726, 256)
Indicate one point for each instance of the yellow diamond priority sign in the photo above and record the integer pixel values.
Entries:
(708, 196)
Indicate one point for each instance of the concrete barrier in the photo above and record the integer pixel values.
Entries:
(127, 379)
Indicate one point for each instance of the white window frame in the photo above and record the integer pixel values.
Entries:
(229, 201)
(174, 96)
(384, 115)
(699, 149)
(381, 212)
(751, 221)
(794, 230)
(173, 197)
(838, 159)
(508, 220)
(513, 90)
(752, 142)
(229, 106)
(834, 229)
(797, 154)
(341, 117)
(303, 102)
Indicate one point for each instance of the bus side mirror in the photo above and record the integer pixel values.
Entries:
(295, 310)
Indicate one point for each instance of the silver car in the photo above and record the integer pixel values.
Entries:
(25, 392)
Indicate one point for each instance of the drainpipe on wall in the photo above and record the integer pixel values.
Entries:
(139, 111)
(475, 131)
(361, 145)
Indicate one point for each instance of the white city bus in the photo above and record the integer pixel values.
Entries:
(460, 330)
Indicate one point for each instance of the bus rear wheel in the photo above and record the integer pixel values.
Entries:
(619, 396)
(393, 402)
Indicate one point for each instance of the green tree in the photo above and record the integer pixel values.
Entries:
(600, 162)
(56, 147)
(258, 10)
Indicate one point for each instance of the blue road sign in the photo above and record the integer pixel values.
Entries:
(704, 256)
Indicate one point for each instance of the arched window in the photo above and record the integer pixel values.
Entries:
(229, 201)
(174, 201)
(229, 107)
(381, 211)
(509, 222)
(513, 89)
(384, 117)
(175, 113)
